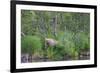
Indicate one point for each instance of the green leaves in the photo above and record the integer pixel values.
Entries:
(70, 29)
(82, 41)
(31, 44)
(55, 53)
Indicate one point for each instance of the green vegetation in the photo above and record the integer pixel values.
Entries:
(31, 45)
(68, 34)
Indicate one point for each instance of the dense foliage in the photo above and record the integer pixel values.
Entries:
(70, 29)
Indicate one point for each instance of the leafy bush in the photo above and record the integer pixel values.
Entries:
(55, 53)
(70, 49)
(66, 45)
(81, 41)
(31, 44)
(59, 52)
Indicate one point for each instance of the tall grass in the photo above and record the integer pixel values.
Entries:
(69, 44)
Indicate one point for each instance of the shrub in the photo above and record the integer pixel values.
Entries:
(31, 44)
(55, 53)
(81, 41)
(66, 43)
(70, 49)
(59, 51)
